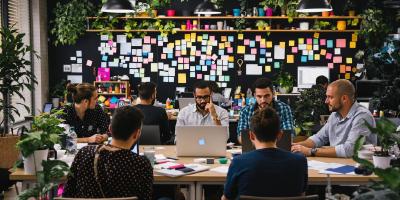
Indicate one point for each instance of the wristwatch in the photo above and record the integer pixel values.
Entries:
(313, 151)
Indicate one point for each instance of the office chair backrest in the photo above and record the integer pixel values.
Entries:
(121, 198)
(309, 197)
(150, 135)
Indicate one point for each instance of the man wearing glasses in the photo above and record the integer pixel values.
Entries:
(204, 112)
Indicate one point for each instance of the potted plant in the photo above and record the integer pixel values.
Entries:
(284, 81)
(58, 93)
(261, 24)
(350, 7)
(268, 6)
(15, 76)
(35, 145)
(385, 130)
(70, 21)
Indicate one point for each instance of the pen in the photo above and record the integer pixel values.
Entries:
(172, 158)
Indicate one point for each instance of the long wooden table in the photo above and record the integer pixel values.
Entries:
(198, 180)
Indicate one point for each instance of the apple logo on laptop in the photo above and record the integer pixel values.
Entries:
(202, 141)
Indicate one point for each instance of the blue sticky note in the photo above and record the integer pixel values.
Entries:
(329, 43)
(303, 59)
(262, 60)
(170, 56)
(174, 63)
(221, 52)
(310, 57)
(208, 62)
(159, 37)
(104, 58)
(231, 65)
(262, 51)
(203, 49)
(252, 43)
(212, 78)
(277, 65)
(145, 54)
(315, 41)
(230, 38)
(202, 62)
(205, 36)
(198, 67)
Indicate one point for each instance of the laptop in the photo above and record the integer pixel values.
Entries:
(47, 107)
(284, 143)
(183, 102)
(203, 141)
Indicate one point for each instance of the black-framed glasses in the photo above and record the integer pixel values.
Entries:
(205, 98)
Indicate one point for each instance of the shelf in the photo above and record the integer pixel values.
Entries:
(112, 94)
(233, 17)
(234, 31)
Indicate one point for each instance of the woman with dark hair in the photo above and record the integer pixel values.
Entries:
(85, 115)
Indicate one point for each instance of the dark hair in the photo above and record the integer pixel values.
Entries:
(214, 87)
(125, 121)
(265, 124)
(80, 91)
(146, 90)
(201, 85)
(321, 80)
(262, 83)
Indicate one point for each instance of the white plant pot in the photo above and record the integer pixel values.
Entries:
(55, 102)
(35, 159)
(382, 162)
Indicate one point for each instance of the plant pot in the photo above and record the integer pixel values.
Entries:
(261, 12)
(267, 28)
(269, 12)
(56, 102)
(352, 13)
(33, 163)
(236, 12)
(382, 162)
(341, 25)
(170, 12)
(154, 13)
(285, 90)
(260, 28)
(325, 14)
(8, 153)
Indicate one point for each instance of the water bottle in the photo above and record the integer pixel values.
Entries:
(72, 140)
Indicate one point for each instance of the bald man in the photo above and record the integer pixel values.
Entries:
(344, 126)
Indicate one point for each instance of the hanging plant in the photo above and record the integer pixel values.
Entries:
(70, 21)
(105, 25)
(165, 29)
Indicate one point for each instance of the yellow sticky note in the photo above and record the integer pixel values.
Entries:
(189, 44)
(241, 49)
(347, 76)
(221, 45)
(316, 35)
(317, 57)
(354, 37)
(323, 52)
(209, 43)
(192, 52)
(290, 59)
(267, 68)
(352, 45)
(262, 41)
(349, 60)
(208, 52)
(291, 43)
(309, 47)
(240, 36)
(193, 35)
(269, 44)
(182, 78)
(199, 38)
(231, 59)
(187, 37)
(282, 44)
(301, 40)
(183, 52)
(177, 42)
(223, 38)
(170, 45)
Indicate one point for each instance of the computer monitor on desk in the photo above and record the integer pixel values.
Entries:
(307, 75)
(367, 89)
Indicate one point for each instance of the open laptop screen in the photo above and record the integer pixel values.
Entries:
(47, 107)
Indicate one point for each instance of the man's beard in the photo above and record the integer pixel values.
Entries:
(201, 106)
(336, 108)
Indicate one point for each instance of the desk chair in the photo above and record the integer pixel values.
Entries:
(150, 135)
(121, 198)
(309, 197)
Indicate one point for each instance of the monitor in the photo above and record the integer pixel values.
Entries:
(367, 89)
(306, 75)
(47, 107)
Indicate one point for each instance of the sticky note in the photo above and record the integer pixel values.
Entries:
(277, 65)
(309, 47)
(246, 42)
(262, 41)
(230, 50)
(282, 44)
(294, 50)
(267, 68)
(231, 59)
(348, 68)
(349, 60)
(269, 44)
(89, 63)
(241, 49)
(221, 45)
(301, 40)
(309, 41)
(347, 76)
(354, 37)
(322, 42)
(290, 59)
(262, 51)
(342, 69)
(330, 65)
(223, 38)
(341, 43)
(310, 57)
(337, 59)
(253, 51)
(231, 39)
(240, 36)
(252, 43)
(323, 52)
(258, 38)
(291, 43)
(303, 59)
(328, 56)
(352, 45)
(316, 35)
(329, 43)
(199, 38)
(182, 78)
(317, 57)
(187, 37)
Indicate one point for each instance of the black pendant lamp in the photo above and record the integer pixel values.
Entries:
(206, 8)
(117, 6)
(309, 6)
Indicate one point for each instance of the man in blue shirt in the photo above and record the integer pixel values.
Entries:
(264, 93)
(268, 171)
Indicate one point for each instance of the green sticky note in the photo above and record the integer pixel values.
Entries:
(277, 65)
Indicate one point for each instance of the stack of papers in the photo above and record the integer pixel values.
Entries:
(172, 169)
(330, 168)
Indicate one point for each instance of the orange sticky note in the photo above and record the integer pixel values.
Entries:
(227, 44)
(223, 38)
(290, 59)
(342, 69)
(267, 68)
(282, 44)
(316, 35)
(240, 36)
(309, 47)
(352, 45)
(291, 43)
(269, 44)
(182, 78)
(241, 49)
(323, 52)
(231, 59)
(348, 68)
(354, 37)
(221, 45)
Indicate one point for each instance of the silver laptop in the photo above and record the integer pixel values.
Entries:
(183, 102)
(204, 141)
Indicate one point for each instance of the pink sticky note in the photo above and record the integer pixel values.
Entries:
(199, 76)
(309, 40)
(145, 61)
(186, 60)
(230, 50)
(258, 38)
(146, 39)
(114, 49)
(110, 43)
(89, 63)
(212, 37)
(328, 56)
(337, 59)
(330, 65)
(341, 43)
(322, 42)
(177, 53)
(150, 59)
(163, 56)
(294, 49)
(214, 57)
(262, 45)
(214, 66)
(253, 51)
(198, 53)
(246, 42)
(180, 60)
(153, 41)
